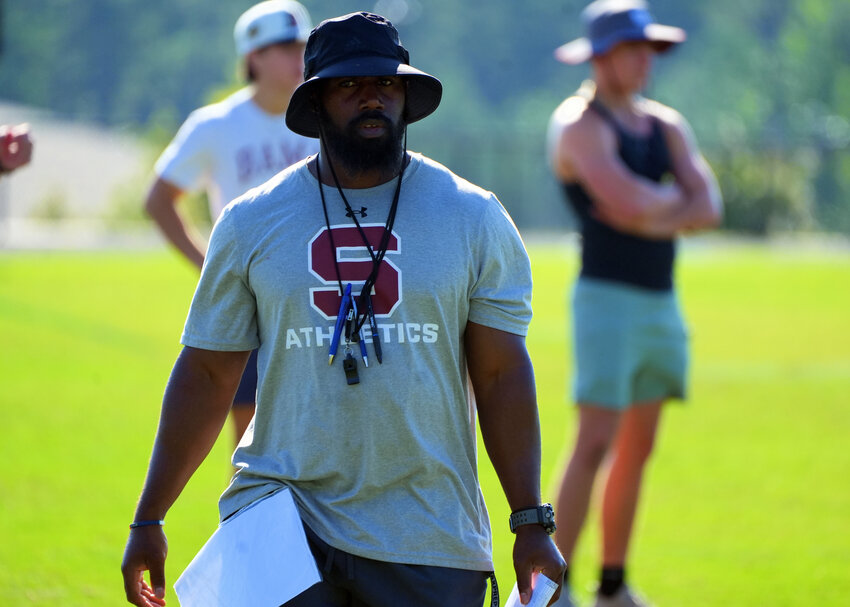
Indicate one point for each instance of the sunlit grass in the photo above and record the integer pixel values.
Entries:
(745, 503)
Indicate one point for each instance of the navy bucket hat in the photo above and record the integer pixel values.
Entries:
(608, 22)
(358, 44)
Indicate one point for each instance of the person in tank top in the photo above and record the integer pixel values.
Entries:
(635, 179)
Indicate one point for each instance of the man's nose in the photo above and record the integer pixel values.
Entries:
(370, 96)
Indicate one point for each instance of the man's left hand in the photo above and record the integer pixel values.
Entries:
(534, 551)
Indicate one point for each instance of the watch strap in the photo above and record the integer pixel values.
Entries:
(539, 515)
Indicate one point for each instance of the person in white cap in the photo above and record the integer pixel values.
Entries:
(229, 147)
(635, 179)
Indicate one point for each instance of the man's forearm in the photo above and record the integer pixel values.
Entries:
(510, 429)
(511, 432)
(178, 233)
(195, 408)
(503, 383)
(161, 205)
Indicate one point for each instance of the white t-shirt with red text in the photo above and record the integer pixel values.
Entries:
(228, 148)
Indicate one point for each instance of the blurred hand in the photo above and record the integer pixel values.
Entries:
(146, 550)
(15, 146)
(534, 551)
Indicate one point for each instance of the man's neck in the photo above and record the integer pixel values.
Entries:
(615, 99)
(349, 180)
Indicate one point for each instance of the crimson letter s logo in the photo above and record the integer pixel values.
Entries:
(355, 265)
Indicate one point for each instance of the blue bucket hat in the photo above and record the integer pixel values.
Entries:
(608, 22)
(358, 44)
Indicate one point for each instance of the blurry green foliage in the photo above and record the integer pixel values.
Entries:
(763, 79)
(52, 207)
(765, 191)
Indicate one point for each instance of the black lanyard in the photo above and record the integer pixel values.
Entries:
(365, 294)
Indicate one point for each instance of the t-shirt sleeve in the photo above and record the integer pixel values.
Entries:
(501, 294)
(223, 314)
(186, 162)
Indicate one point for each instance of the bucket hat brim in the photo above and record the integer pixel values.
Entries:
(423, 90)
(582, 49)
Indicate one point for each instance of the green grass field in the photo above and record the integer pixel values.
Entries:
(747, 501)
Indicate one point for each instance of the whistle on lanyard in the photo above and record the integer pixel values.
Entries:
(349, 365)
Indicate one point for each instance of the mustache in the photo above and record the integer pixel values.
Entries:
(370, 116)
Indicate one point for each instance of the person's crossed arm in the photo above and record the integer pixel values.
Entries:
(587, 152)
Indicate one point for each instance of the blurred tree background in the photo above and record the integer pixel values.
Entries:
(764, 83)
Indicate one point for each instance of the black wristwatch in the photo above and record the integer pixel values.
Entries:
(541, 515)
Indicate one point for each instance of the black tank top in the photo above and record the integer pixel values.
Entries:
(607, 253)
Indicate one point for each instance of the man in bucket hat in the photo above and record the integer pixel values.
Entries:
(635, 179)
(389, 300)
(228, 147)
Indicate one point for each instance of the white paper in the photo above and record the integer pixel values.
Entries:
(542, 589)
(257, 558)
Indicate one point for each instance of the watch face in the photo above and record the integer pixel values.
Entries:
(547, 515)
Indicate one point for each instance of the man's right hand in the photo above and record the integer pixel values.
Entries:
(146, 550)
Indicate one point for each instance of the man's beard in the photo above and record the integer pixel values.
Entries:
(359, 154)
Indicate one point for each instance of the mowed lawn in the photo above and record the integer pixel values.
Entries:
(747, 500)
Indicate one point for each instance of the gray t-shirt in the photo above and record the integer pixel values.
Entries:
(387, 468)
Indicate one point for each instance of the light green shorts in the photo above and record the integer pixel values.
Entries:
(630, 345)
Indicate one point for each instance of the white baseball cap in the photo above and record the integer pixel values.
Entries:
(271, 22)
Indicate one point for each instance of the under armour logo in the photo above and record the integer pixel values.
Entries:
(353, 212)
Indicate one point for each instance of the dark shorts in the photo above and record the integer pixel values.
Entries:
(246, 394)
(353, 581)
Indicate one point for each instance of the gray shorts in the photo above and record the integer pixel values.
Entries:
(630, 345)
(353, 581)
